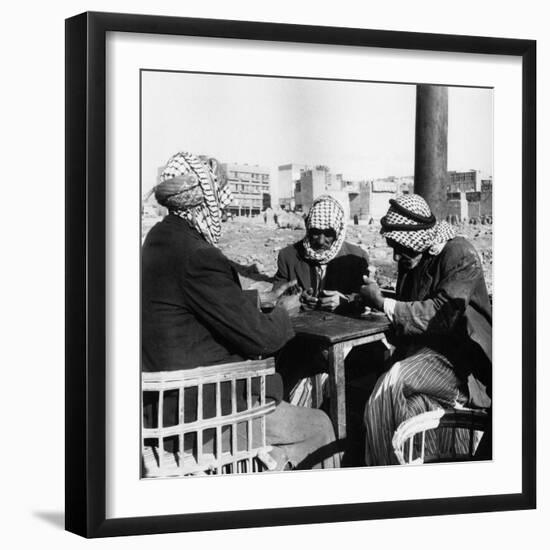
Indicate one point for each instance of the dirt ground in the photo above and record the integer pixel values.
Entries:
(253, 246)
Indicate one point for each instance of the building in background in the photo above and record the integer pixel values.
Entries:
(313, 182)
(288, 176)
(250, 188)
(464, 181)
(471, 199)
(318, 181)
(370, 199)
(457, 206)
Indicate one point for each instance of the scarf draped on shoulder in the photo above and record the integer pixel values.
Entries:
(325, 213)
(195, 188)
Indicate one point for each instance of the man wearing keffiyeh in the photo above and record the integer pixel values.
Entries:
(329, 273)
(327, 268)
(443, 329)
(194, 312)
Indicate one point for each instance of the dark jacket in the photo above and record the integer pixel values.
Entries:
(443, 303)
(194, 312)
(344, 272)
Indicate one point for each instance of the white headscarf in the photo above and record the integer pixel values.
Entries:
(410, 222)
(325, 213)
(190, 187)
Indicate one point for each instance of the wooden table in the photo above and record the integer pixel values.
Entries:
(339, 334)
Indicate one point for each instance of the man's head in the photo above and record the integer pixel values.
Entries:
(321, 239)
(325, 229)
(195, 188)
(411, 229)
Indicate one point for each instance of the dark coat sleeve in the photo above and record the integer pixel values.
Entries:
(358, 268)
(217, 300)
(283, 270)
(460, 272)
(350, 268)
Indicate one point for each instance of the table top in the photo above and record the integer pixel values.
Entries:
(333, 328)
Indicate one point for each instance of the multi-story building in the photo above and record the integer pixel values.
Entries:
(464, 181)
(250, 188)
(312, 183)
(319, 181)
(371, 199)
(457, 206)
(288, 176)
(471, 197)
(487, 184)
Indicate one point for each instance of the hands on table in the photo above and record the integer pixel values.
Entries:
(371, 294)
(328, 300)
(284, 296)
(269, 299)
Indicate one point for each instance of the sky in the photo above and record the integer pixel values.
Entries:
(364, 130)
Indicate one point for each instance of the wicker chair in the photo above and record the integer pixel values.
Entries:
(410, 437)
(191, 442)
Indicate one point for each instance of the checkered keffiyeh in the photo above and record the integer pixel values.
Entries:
(410, 222)
(325, 213)
(191, 189)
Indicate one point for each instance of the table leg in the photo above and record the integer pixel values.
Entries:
(337, 379)
(317, 391)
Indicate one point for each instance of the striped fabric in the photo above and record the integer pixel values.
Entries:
(302, 394)
(190, 188)
(325, 213)
(422, 382)
(422, 235)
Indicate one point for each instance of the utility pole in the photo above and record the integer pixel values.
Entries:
(430, 152)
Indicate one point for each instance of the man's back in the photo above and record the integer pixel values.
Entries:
(193, 311)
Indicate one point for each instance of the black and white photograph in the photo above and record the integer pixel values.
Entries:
(316, 273)
(273, 274)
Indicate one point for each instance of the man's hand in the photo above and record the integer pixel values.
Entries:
(308, 299)
(270, 298)
(371, 294)
(290, 303)
(331, 299)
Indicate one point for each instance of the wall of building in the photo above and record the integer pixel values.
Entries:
(467, 181)
(379, 203)
(371, 198)
(486, 203)
(312, 184)
(457, 206)
(287, 176)
(250, 188)
(343, 198)
(359, 202)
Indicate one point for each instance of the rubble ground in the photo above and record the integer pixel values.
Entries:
(253, 246)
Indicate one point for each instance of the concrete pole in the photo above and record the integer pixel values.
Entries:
(430, 155)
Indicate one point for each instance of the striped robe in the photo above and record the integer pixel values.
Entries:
(422, 382)
(442, 322)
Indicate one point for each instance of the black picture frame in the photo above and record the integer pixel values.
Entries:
(86, 269)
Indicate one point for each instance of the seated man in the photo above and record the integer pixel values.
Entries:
(194, 312)
(442, 319)
(329, 273)
(327, 268)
